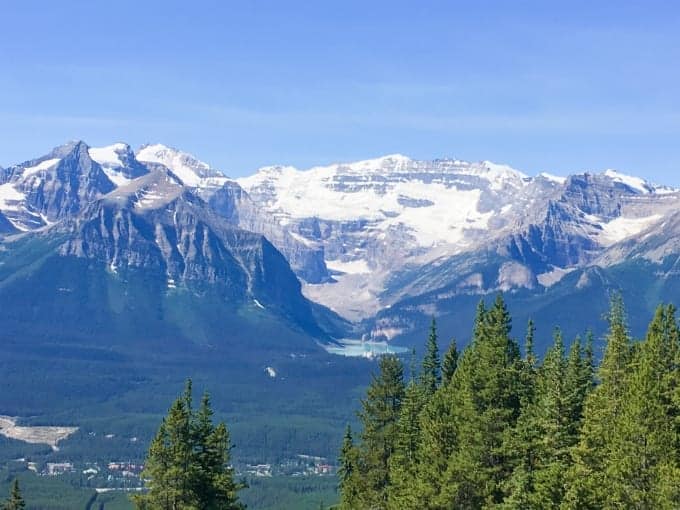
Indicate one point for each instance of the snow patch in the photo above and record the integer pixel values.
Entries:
(513, 275)
(117, 178)
(550, 278)
(45, 165)
(621, 228)
(10, 197)
(553, 178)
(109, 156)
(312, 193)
(190, 170)
(500, 175)
(351, 267)
(635, 183)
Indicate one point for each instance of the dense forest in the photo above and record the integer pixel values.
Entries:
(490, 428)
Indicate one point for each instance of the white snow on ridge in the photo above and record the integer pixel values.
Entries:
(109, 156)
(45, 165)
(498, 175)
(621, 228)
(553, 178)
(393, 161)
(109, 159)
(117, 178)
(353, 267)
(10, 197)
(635, 183)
(190, 170)
(447, 211)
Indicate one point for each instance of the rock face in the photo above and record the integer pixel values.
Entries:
(155, 223)
(132, 217)
(51, 188)
(232, 203)
(378, 241)
(393, 228)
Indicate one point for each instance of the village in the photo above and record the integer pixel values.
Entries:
(126, 475)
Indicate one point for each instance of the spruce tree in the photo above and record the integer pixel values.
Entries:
(16, 500)
(578, 383)
(404, 460)
(348, 473)
(486, 392)
(437, 444)
(188, 462)
(430, 375)
(529, 354)
(450, 362)
(379, 416)
(588, 484)
(553, 415)
(541, 438)
(643, 452)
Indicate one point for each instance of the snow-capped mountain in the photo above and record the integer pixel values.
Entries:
(39, 192)
(382, 221)
(122, 219)
(385, 242)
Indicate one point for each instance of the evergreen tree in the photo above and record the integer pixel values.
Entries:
(188, 462)
(430, 375)
(541, 439)
(437, 444)
(588, 486)
(212, 477)
(529, 355)
(643, 446)
(348, 473)
(486, 392)
(379, 416)
(505, 432)
(553, 415)
(404, 461)
(450, 362)
(16, 500)
(589, 359)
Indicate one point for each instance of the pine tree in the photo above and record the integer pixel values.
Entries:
(642, 451)
(212, 477)
(486, 392)
(379, 416)
(188, 462)
(529, 355)
(540, 440)
(450, 362)
(430, 375)
(437, 444)
(588, 485)
(16, 500)
(348, 473)
(404, 460)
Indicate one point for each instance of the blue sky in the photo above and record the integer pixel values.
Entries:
(543, 86)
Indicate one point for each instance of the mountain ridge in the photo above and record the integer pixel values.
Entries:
(364, 237)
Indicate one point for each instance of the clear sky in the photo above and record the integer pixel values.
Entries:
(543, 86)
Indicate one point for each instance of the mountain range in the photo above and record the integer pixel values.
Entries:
(122, 272)
(369, 249)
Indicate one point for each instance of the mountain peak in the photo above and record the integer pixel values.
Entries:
(111, 156)
(635, 183)
(68, 148)
(188, 168)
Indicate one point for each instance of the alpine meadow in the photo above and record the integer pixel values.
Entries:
(357, 255)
